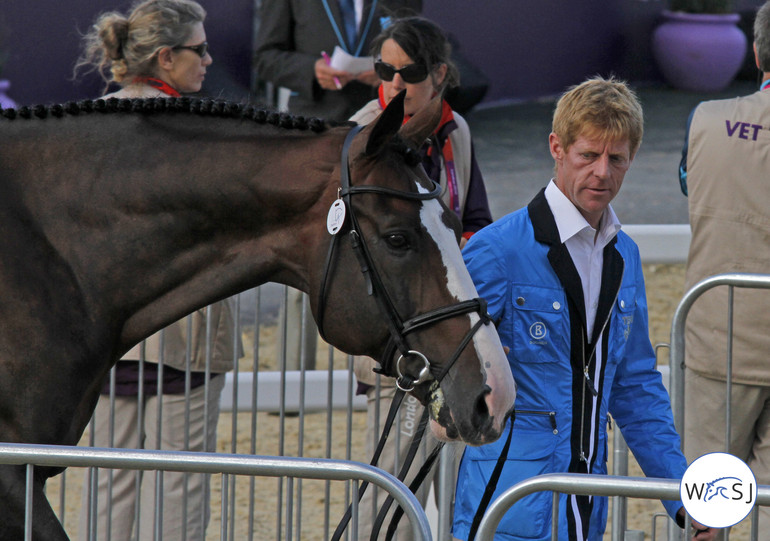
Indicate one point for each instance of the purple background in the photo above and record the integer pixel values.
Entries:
(527, 48)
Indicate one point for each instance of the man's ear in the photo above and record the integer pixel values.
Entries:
(756, 57)
(554, 145)
(165, 58)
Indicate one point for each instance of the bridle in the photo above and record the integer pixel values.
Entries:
(399, 329)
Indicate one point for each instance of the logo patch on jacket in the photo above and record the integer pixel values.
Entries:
(538, 332)
(627, 321)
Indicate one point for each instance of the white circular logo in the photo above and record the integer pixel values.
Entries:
(718, 490)
(538, 330)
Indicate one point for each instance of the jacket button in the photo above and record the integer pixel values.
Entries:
(556, 305)
(622, 303)
(520, 301)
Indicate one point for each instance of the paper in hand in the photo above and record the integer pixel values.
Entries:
(352, 64)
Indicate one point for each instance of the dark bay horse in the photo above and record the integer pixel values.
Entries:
(119, 217)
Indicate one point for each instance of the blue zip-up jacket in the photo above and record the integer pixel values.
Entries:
(525, 273)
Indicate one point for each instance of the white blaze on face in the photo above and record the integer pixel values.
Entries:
(486, 342)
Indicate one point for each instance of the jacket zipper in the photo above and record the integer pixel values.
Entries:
(551, 417)
(588, 381)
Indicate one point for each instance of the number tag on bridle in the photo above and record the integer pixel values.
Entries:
(336, 217)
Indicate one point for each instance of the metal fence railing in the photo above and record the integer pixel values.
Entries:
(732, 280)
(228, 466)
(677, 363)
(267, 410)
(588, 485)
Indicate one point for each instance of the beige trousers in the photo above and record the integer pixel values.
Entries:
(704, 427)
(119, 506)
(392, 458)
(300, 329)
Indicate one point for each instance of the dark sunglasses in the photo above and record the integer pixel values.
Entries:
(412, 74)
(201, 49)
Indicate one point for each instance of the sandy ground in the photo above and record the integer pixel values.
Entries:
(303, 500)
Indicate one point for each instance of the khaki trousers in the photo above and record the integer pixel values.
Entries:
(300, 332)
(392, 458)
(120, 506)
(704, 427)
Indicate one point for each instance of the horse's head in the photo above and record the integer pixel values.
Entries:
(398, 252)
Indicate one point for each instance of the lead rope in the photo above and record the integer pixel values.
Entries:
(413, 486)
(394, 405)
(492, 483)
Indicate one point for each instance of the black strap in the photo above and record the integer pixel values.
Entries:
(394, 405)
(413, 486)
(345, 180)
(408, 460)
(492, 484)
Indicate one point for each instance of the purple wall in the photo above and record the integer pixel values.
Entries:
(527, 48)
(533, 48)
(43, 41)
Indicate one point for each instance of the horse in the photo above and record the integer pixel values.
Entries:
(119, 217)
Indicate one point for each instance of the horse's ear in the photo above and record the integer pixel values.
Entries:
(387, 125)
(423, 123)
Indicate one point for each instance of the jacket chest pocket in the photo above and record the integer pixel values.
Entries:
(540, 324)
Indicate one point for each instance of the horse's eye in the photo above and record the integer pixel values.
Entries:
(397, 241)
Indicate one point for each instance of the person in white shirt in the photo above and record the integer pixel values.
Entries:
(565, 287)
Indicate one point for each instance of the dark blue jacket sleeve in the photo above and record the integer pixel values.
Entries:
(683, 161)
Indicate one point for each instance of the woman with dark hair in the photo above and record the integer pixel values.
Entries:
(413, 54)
(158, 50)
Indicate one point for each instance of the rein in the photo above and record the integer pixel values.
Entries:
(398, 328)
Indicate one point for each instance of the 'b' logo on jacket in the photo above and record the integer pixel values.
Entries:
(538, 332)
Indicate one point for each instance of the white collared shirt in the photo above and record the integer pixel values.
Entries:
(584, 245)
(359, 5)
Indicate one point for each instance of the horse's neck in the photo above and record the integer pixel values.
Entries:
(171, 215)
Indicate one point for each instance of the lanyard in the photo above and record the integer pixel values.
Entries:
(765, 85)
(160, 85)
(342, 41)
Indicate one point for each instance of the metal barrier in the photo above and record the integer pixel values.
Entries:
(226, 465)
(265, 410)
(588, 485)
(760, 281)
(677, 364)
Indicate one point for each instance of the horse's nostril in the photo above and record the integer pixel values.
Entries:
(481, 410)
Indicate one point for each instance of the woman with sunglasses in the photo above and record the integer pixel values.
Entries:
(158, 50)
(413, 54)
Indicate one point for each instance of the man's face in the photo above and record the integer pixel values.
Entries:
(591, 172)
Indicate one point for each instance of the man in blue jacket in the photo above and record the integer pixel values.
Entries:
(566, 288)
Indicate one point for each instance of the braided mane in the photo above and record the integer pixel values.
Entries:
(147, 106)
(188, 105)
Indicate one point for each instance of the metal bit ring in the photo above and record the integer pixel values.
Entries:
(402, 381)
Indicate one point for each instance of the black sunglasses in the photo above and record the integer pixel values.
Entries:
(201, 49)
(412, 74)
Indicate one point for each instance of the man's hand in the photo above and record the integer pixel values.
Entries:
(699, 531)
(328, 78)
